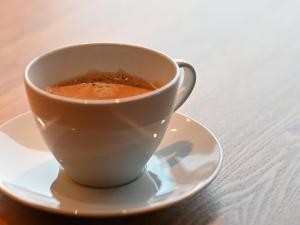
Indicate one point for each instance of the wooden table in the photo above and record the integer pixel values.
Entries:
(248, 93)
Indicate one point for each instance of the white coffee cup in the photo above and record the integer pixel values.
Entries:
(104, 143)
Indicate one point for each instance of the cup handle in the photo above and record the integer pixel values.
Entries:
(187, 82)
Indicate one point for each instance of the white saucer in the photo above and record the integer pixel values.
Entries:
(187, 160)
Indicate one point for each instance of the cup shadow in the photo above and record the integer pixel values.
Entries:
(197, 165)
(175, 152)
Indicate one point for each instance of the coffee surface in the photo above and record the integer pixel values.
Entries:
(103, 85)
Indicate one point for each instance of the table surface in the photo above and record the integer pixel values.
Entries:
(246, 54)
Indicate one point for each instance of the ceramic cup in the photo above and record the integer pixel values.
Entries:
(104, 143)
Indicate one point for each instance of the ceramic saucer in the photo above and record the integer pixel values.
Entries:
(187, 160)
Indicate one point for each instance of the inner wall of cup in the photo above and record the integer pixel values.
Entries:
(71, 62)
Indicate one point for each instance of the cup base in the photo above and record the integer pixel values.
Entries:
(91, 185)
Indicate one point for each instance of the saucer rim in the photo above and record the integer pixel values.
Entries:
(119, 213)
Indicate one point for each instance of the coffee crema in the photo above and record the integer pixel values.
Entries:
(103, 85)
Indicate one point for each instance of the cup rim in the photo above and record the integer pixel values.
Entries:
(100, 101)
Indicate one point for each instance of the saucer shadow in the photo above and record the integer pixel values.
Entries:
(203, 209)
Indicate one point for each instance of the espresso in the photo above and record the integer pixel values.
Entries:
(103, 85)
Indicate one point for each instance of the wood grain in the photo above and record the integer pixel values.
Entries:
(247, 56)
